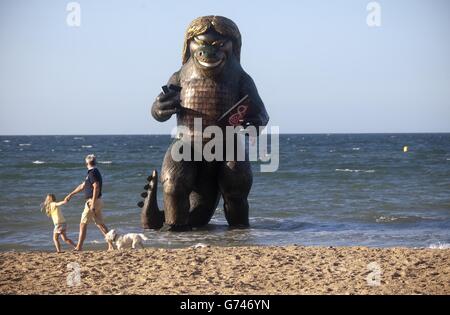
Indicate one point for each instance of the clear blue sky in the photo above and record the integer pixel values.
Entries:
(319, 68)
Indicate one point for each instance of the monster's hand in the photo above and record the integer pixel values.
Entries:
(166, 105)
(253, 121)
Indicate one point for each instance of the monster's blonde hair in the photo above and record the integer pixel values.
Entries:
(221, 25)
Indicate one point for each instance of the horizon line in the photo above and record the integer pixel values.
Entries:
(168, 134)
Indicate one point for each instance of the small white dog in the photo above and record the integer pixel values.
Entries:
(125, 241)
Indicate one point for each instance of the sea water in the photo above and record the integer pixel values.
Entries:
(330, 190)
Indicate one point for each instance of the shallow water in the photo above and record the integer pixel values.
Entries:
(329, 190)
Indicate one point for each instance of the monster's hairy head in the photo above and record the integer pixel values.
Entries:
(211, 41)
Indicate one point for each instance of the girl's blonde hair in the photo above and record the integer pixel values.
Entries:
(48, 200)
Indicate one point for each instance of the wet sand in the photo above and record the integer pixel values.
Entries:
(229, 270)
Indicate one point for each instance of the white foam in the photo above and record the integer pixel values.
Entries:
(78, 138)
(355, 149)
(38, 162)
(105, 162)
(354, 171)
(385, 219)
(87, 146)
(6, 141)
(440, 245)
(199, 245)
(24, 144)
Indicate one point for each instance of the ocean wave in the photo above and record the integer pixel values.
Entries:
(199, 245)
(86, 146)
(403, 219)
(38, 162)
(105, 162)
(24, 144)
(78, 138)
(440, 246)
(383, 219)
(354, 171)
(355, 149)
(6, 141)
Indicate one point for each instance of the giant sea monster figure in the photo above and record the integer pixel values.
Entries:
(209, 84)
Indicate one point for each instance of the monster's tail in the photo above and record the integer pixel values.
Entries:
(151, 216)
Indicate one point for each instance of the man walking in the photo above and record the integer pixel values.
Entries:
(92, 187)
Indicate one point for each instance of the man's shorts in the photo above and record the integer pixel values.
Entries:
(60, 228)
(96, 215)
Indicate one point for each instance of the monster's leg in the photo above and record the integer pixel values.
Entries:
(205, 195)
(235, 180)
(178, 180)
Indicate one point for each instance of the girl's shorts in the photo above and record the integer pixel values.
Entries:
(60, 228)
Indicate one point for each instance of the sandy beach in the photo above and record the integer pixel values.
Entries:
(230, 270)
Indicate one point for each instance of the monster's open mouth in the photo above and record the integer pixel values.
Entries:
(210, 64)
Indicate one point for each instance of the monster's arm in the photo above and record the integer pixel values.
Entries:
(168, 104)
(259, 116)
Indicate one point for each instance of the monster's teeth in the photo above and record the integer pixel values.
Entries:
(210, 65)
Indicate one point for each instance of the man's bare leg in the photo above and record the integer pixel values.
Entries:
(81, 237)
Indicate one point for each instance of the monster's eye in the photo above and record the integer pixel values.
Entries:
(219, 43)
(199, 41)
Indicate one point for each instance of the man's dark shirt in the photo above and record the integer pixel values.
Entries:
(93, 175)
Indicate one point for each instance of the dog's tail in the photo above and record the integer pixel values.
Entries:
(145, 238)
